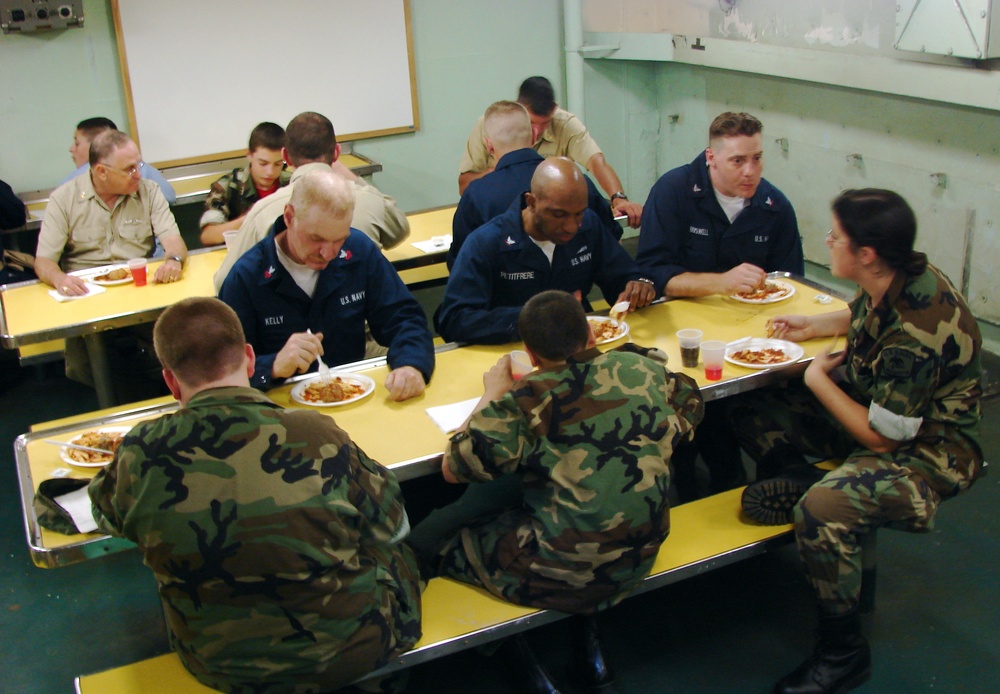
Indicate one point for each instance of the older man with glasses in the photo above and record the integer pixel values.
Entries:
(108, 216)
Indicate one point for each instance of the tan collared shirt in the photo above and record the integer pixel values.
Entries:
(566, 136)
(80, 231)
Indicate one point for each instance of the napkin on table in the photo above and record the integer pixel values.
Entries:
(77, 505)
(436, 244)
(451, 417)
(92, 290)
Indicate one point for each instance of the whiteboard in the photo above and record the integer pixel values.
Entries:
(200, 74)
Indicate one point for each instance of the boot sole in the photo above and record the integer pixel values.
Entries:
(771, 502)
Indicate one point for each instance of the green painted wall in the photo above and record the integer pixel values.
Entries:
(49, 81)
(902, 143)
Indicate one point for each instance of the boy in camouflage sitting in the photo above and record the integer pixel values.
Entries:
(576, 456)
(275, 541)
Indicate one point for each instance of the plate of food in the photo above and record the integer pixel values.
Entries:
(106, 438)
(339, 389)
(764, 353)
(771, 291)
(110, 277)
(607, 329)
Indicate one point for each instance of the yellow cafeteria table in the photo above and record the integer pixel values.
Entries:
(29, 315)
(417, 446)
(415, 266)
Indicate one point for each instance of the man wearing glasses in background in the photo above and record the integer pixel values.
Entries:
(107, 216)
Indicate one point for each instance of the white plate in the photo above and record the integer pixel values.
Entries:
(64, 452)
(789, 291)
(598, 320)
(89, 274)
(792, 350)
(359, 379)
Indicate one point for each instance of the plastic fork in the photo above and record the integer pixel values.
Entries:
(324, 370)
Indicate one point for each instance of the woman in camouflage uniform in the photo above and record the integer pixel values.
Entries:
(900, 405)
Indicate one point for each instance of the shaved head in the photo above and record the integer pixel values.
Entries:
(557, 202)
(508, 126)
(558, 176)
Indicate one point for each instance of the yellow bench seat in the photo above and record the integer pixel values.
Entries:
(705, 535)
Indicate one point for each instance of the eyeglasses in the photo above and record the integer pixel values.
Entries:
(129, 171)
(831, 239)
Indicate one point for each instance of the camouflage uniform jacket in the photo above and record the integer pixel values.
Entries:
(914, 361)
(274, 541)
(592, 442)
(232, 195)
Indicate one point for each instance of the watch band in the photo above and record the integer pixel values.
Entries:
(620, 195)
(180, 260)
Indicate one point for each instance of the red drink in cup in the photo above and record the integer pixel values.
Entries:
(137, 266)
(520, 364)
(713, 352)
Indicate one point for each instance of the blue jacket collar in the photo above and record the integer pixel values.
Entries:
(518, 156)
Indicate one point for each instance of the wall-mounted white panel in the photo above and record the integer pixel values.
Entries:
(945, 27)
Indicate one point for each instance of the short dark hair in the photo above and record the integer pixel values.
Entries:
(310, 137)
(200, 339)
(882, 220)
(267, 135)
(553, 325)
(104, 144)
(537, 95)
(95, 126)
(731, 124)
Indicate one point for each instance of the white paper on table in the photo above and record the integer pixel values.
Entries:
(92, 290)
(451, 417)
(77, 505)
(435, 245)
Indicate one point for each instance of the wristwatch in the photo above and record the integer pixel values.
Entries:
(180, 260)
(620, 195)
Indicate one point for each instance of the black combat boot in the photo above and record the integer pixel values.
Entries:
(840, 662)
(589, 667)
(780, 458)
(528, 673)
(783, 476)
(772, 501)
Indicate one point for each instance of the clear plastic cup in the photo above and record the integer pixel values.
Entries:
(713, 352)
(137, 266)
(228, 236)
(690, 340)
(520, 364)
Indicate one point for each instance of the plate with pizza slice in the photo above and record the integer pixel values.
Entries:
(764, 353)
(339, 389)
(773, 290)
(607, 330)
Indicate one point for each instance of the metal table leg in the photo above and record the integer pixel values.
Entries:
(101, 368)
